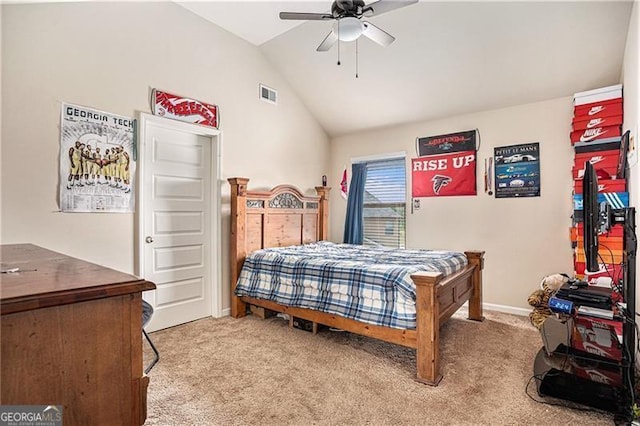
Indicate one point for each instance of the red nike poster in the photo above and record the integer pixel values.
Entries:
(444, 175)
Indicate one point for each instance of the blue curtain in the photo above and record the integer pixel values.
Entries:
(354, 223)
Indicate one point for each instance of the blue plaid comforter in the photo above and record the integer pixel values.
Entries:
(368, 284)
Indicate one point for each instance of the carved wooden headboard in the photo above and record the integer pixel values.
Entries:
(276, 218)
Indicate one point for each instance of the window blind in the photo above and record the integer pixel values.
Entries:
(385, 203)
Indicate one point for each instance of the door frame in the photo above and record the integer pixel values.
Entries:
(215, 206)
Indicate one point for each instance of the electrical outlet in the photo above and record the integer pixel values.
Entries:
(416, 204)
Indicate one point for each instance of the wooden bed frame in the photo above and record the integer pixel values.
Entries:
(284, 216)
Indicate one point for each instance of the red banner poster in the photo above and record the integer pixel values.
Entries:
(184, 109)
(444, 175)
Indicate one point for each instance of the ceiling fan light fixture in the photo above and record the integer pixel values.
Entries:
(348, 29)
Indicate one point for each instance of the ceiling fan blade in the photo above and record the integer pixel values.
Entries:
(376, 34)
(328, 42)
(305, 16)
(383, 6)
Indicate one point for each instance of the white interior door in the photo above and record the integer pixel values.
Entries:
(177, 206)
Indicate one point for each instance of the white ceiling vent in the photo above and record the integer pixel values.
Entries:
(268, 94)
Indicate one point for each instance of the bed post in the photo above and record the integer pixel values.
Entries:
(238, 251)
(427, 327)
(323, 214)
(476, 258)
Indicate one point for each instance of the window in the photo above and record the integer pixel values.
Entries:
(385, 203)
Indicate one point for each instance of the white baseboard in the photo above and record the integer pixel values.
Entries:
(506, 309)
(226, 312)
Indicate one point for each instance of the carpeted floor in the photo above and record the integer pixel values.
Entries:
(251, 371)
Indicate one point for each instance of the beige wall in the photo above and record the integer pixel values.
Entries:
(107, 56)
(524, 239)
(630, 76)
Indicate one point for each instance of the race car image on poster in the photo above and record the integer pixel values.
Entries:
(516, 158)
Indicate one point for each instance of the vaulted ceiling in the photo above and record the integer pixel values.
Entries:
(449, 58)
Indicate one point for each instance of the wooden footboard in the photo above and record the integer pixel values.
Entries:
(283, 216)
(437, 298)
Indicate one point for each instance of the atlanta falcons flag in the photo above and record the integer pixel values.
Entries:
(444, 175)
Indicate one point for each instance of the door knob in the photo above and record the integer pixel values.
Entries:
(149, 240)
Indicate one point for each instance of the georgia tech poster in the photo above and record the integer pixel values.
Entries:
(97, 167)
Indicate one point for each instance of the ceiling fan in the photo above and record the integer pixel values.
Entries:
(349, 25)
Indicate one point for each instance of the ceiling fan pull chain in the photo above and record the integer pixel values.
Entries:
(338, 42)
(356, 58)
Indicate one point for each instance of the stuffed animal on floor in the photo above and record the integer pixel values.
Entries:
(539, 299)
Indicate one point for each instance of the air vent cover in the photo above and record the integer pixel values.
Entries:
(268, 94)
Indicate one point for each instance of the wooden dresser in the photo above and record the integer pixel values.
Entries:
(71, 336)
